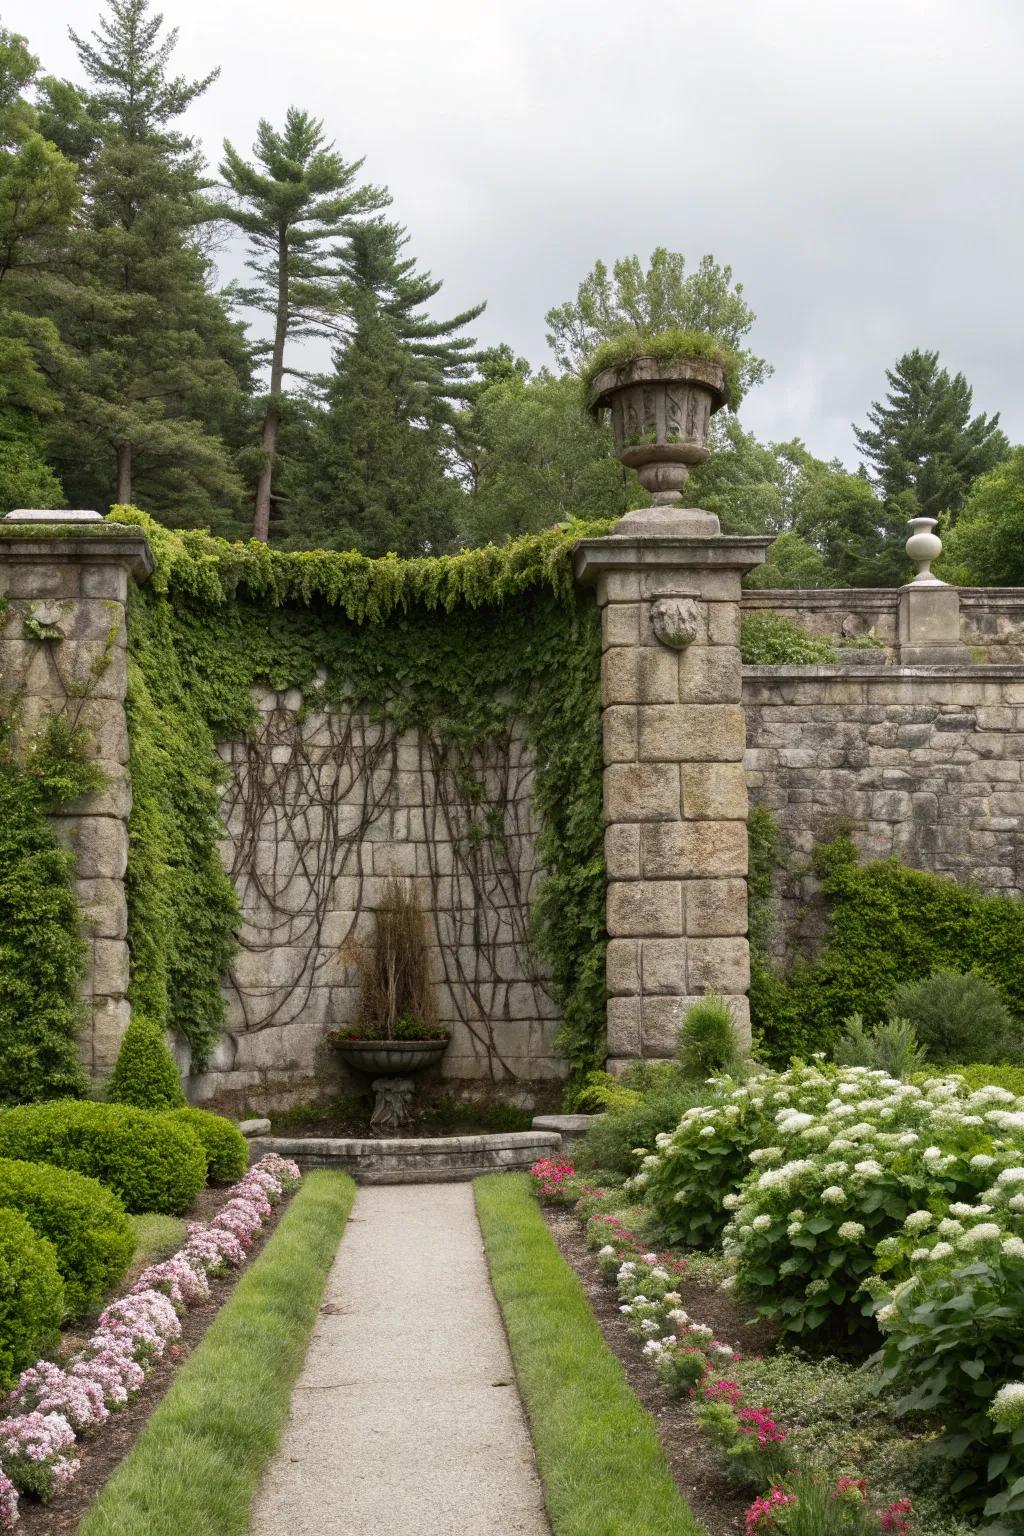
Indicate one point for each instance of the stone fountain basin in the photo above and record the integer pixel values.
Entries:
(414, 1160)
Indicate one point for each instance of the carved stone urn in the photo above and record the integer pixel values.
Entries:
(660, 414)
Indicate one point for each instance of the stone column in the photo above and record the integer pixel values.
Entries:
(62, 652)
(675, 799)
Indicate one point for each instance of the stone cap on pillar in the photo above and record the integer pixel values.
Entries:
(654, 539)
(41, 536)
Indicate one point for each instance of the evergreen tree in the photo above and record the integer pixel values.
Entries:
(662, 297)
(297, 202)
(923, 448)
(987, 544)
(159, 367)
(38, 198)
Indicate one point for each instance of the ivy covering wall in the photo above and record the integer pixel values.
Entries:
(887, 924)
(456, 646)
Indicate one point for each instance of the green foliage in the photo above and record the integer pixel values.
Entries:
(983, 1075)
(654, 1102)
(659, 299)
(887, 925)
(669, 346)
(218, 618)
(41, 948)
(890, 1047)
(92, 1236)
(986, 544)
(959, 1017)
(145, 1073)
(770, 640)
(707, 1039)
(31, 1296)
(149, 1161)
(227, 1151)
(197, 1464)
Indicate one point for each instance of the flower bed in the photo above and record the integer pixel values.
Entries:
(53, 1406)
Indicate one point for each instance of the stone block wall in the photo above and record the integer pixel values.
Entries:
(924, 764)
(320, 810)
(72, 590)
(991, 618)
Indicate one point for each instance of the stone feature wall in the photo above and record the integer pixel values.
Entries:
(991, 623)
(320, 810)
(924, 764)
(74, 589)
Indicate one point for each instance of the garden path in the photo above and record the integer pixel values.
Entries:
(406, 1416)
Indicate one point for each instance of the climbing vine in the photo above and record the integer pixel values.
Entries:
(489, 660)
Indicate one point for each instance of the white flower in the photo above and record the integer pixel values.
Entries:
(1011, 1176)
(981, 1160)
(1007, 1407)
(950, 1228)
(794, 1228)
(941, 1251)
(851, 1231)
(958, 1208)
(885, 1314)
(1016, 1203)
(793, 1120)
(708, 1131)
(728, 1284)
(761, 1223)
(603, 1253)
(1013, 1247)
(868, 1167)
(982, 1233)
(834, 1195)
(919, 1255)
(917, 1221)
(932, 1154)
(730, 1202)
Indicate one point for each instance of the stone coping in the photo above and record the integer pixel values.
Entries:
(565, 1125)
(414, 1160)
(890, 673)
(78, 543)
(636, 551)
(823, 597)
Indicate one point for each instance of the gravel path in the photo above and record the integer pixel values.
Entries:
(406, 1420)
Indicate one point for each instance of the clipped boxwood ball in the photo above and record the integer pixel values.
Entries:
(227, 1151)
(92, 1235)
(31, 1296)
(145, 1073)
(143, 1156)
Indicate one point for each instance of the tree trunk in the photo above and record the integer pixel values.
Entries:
(272, 419)
(124, 474)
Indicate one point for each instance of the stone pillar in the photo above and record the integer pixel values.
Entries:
(62, 652)
(929, 614)
(675, 799)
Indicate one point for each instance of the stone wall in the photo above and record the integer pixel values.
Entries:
(922, 763)
(62, 652)
(991, 618)
(319, 811)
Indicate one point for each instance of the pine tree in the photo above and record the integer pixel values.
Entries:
(922, 446)
(38, 198)
(159, 366)
(297, 202)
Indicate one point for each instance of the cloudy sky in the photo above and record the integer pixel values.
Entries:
(858, 162)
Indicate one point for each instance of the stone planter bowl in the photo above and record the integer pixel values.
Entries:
(390, 1058)
(661, 412)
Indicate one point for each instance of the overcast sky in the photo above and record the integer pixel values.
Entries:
(858, 162)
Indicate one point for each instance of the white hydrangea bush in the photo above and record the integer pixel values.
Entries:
(837, 1182)
(693, 1173)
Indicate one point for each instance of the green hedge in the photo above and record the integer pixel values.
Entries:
(888, 924)
(227, 1151)
(152, 1163)
(92, 1235)
(31, 1296)
(145, 1073)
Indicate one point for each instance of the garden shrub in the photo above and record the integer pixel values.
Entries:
(839, 1180)
(769, 640)
(959, 1017)
(697, 1167)
(31, 1296)
(707, 1039)
(227, 1151)
(149, 1161)
(891, 1047)
(650, 1100)
(92, 1235)
(984, 1075)
(145, 1073)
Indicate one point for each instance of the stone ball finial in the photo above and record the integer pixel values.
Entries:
(923, 547)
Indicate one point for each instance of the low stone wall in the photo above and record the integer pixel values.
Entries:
(427, 1160)
(922, 763)
(991, 618)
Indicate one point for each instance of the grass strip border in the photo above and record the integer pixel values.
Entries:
(602, 1466)
(196, 1465)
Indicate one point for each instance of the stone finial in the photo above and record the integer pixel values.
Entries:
(923, 547)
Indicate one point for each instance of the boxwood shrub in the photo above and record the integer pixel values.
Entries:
(87, 1224)
(227, 1151)
(145, 1073)
(31, 1296)
(153, 1163)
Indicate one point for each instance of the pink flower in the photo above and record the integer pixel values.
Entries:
(47, 1389)
(114, 1370)
(184, 1283)
(761, 1514)
(551, 1173)
(8, 1504)
(893, 1518)
(34, 1449)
